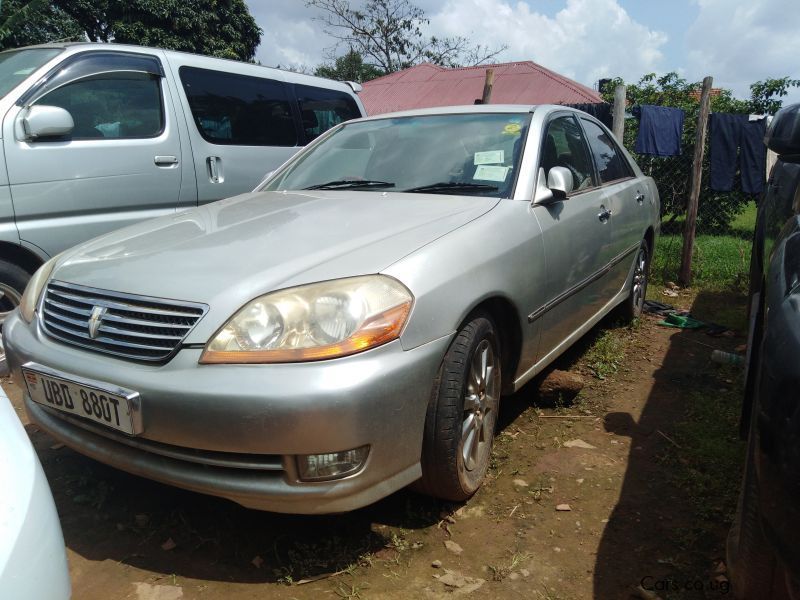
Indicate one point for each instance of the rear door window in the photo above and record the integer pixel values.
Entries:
(231, 109)
(321, 109)
(610, 163)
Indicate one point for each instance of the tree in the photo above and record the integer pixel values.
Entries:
(349, 67)
(765, 95)
(387, 34)
(223, 28)
(716, 210)
(34, 22)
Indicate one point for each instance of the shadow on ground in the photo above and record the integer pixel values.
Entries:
(666, 532)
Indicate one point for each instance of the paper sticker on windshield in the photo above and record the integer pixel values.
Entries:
(491, 173)
(490, 157)
(27, 71)
(512, 129)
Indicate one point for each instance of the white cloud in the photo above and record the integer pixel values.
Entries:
(740, 41)
(291, 37)
(586, 40)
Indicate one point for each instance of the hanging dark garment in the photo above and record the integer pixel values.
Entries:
(660, 129)
(600, 111)
(733, 135)
(726, 134)
(753, 157)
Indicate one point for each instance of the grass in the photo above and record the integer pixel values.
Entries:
(606, 354)
(719, 261)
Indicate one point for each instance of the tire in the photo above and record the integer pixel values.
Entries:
(752, 566)
(631, 308)
(13, 280)
(462, 413)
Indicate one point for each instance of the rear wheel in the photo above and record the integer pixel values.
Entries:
(632, 307)
(462, 413)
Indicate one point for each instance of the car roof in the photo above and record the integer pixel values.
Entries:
(295, 77)
(476, 109)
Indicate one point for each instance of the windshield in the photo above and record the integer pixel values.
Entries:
(475, 153)
(18, 64)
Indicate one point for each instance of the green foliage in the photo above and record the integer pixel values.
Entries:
(24, 23)
(766, 95)
(349, 67)
(672, 174)
(387, 34)
(223, 28)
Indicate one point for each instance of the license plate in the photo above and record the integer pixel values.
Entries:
(102, 403)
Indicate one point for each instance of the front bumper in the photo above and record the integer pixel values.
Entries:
(234, 430)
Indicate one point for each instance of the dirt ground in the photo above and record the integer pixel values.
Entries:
(582, 501)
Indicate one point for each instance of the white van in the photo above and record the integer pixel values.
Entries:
(99, 136)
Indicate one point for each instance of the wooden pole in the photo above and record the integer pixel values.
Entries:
(487, 87)
(685, 275)
(618, 116)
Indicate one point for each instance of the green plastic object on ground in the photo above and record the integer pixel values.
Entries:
(681, 322)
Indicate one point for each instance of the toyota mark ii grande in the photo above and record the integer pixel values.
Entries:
(347, 328)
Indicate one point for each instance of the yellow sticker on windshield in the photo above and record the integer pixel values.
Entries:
(512, 129)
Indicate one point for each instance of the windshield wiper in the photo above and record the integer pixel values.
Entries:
(341, 184)
(444, 186)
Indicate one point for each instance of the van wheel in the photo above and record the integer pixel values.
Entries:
(13, 280)
(632, 307)
(462, 414)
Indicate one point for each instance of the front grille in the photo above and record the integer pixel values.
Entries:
(131, 326)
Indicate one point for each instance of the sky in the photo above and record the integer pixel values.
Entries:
(737, 42)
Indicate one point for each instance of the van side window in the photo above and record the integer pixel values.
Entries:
(111, 106)
(611, 165)
(321, 109)
(232, 109)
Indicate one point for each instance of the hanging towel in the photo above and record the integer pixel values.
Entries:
(726, 133)
(732, 135)
(660, 129)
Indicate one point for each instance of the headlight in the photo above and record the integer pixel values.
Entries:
(30, 297)
(313, 322)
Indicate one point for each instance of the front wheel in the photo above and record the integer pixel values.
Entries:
(462, 414)
(13, 280)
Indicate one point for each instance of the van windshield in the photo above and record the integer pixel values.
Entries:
(16, 65)
(466, 153)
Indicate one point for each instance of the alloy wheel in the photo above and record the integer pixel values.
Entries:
(480, 406)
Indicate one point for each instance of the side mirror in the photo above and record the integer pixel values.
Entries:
(554, 187)
(559, 181)
(47, 121)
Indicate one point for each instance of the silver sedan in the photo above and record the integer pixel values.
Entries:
(349, 327)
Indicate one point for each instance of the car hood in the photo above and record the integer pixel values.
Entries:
(228, 252)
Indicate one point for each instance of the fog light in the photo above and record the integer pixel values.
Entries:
(319, 467)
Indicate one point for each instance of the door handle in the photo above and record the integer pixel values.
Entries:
(165, 161)
(604, 215)
(214, 164)
(639, 198)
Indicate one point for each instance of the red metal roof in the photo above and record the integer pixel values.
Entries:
(428, 85)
